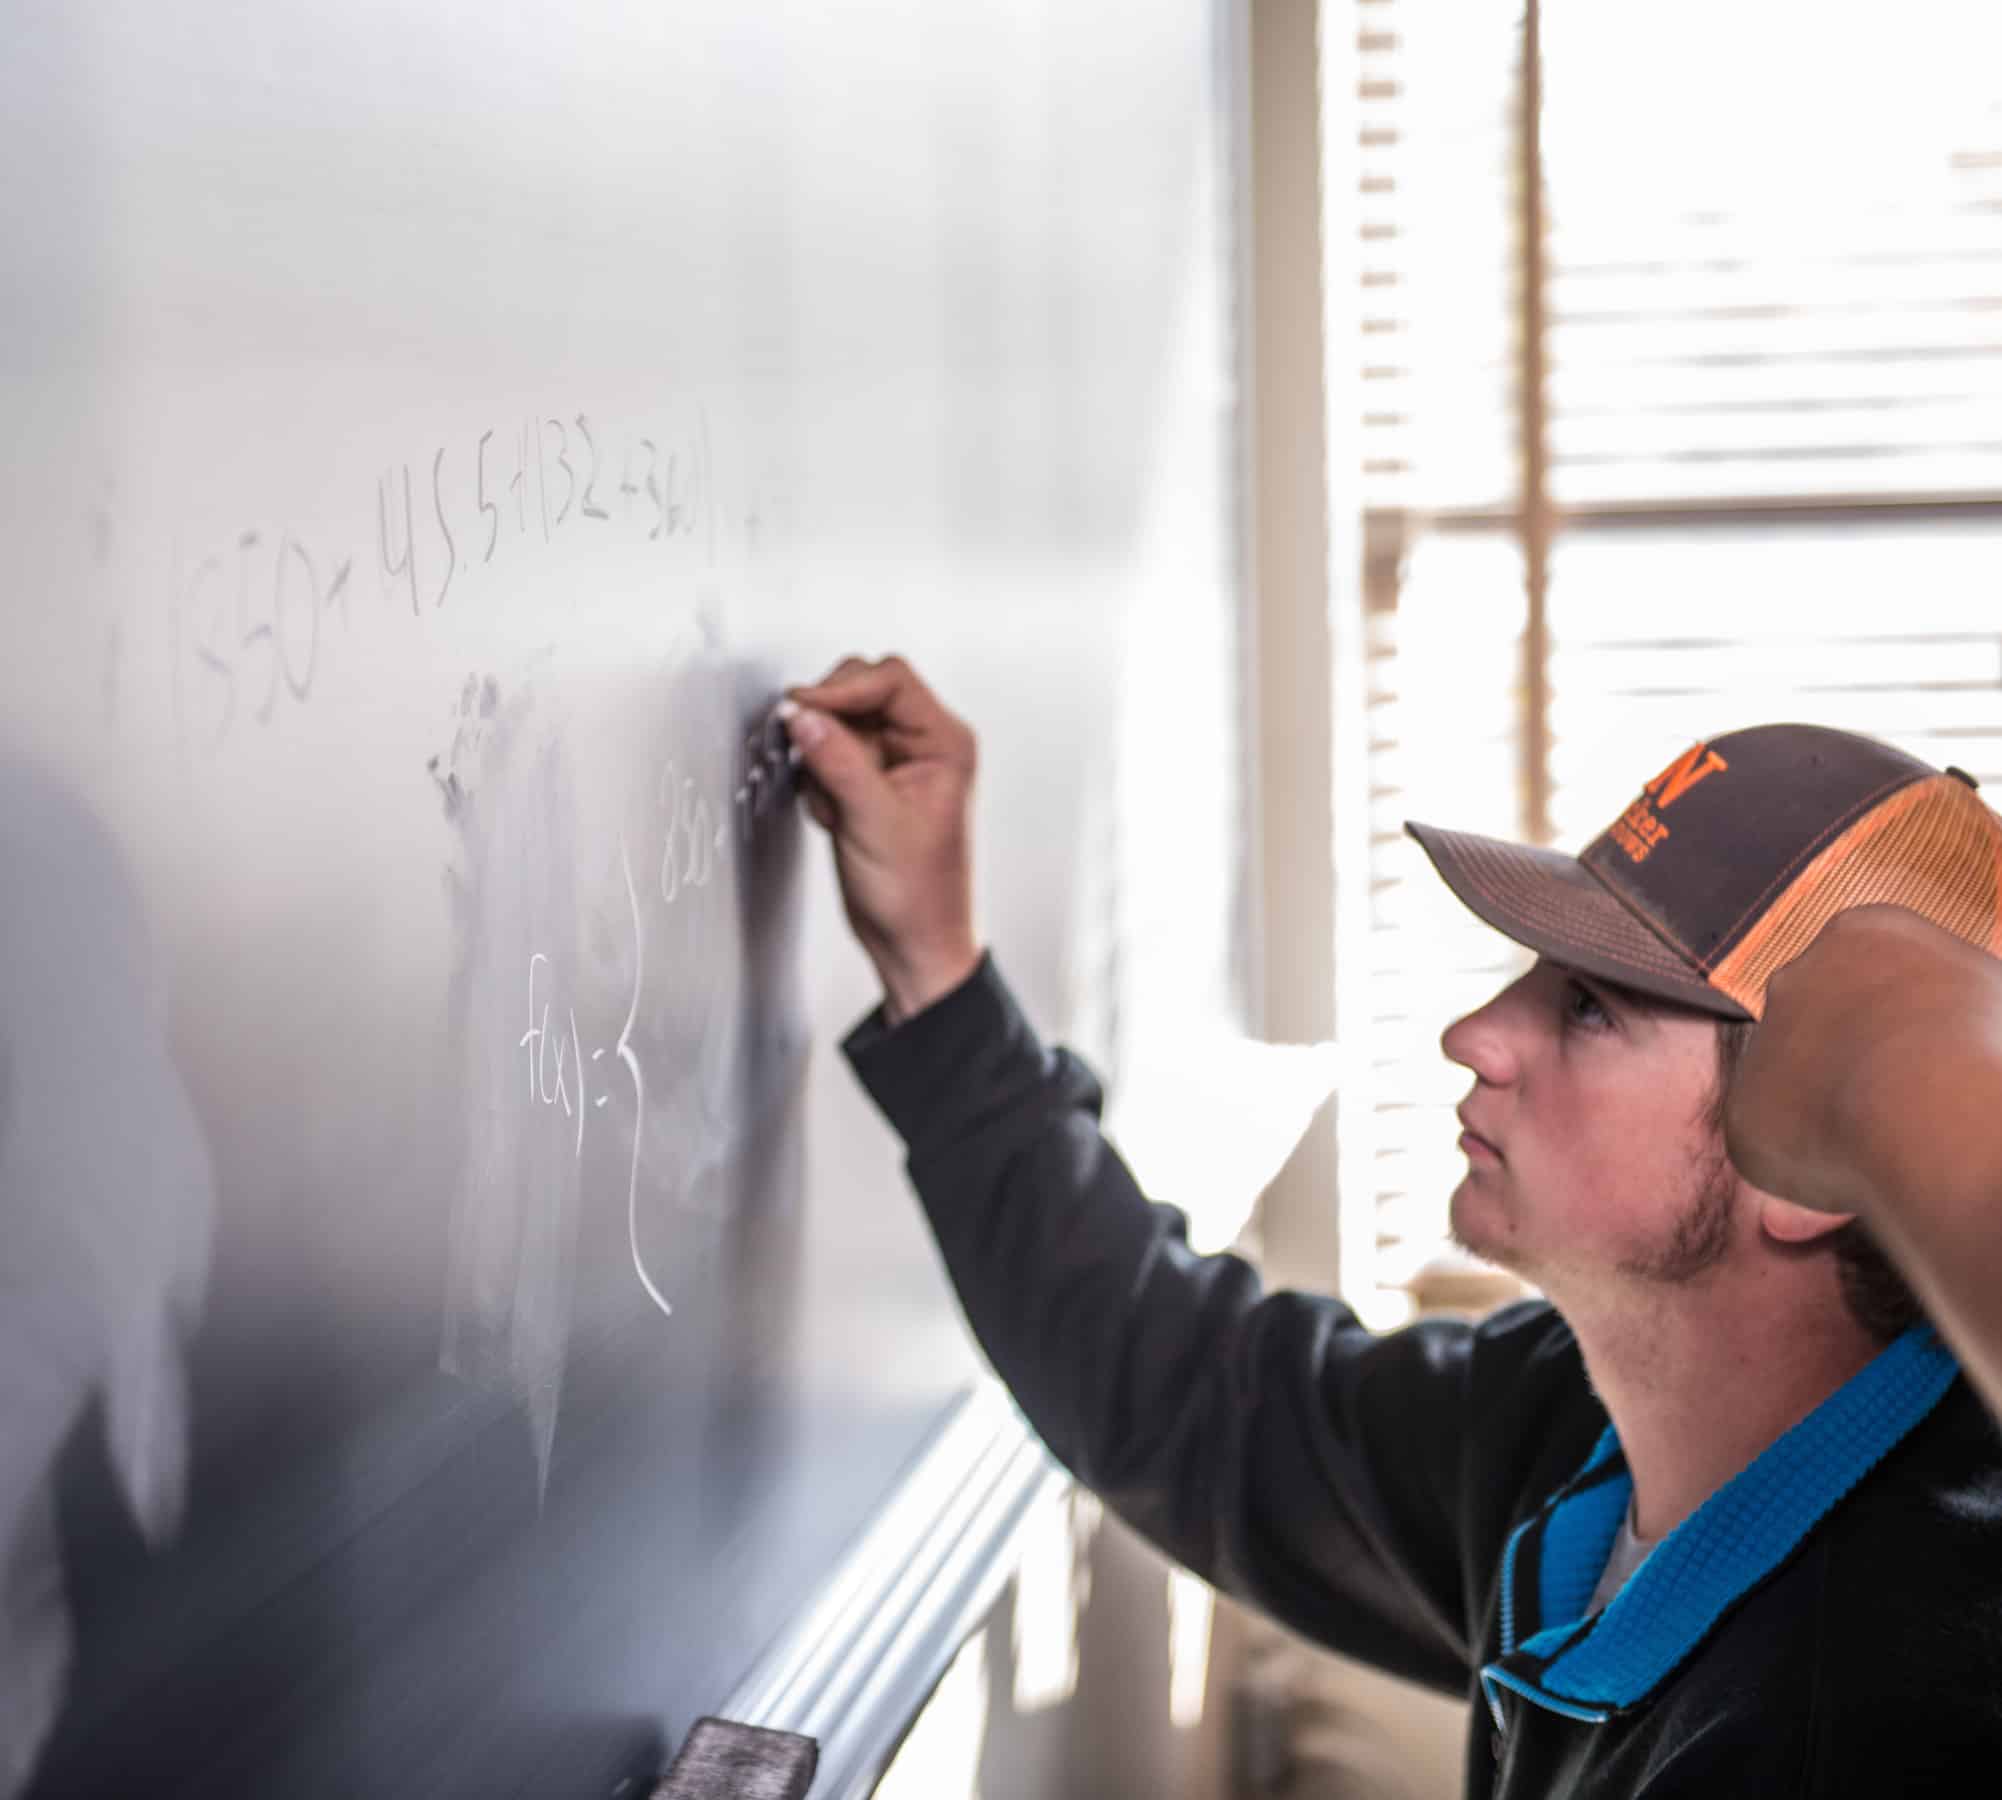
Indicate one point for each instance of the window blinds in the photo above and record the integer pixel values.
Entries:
(1774, 250)
(1774, 281)
(1439, 254)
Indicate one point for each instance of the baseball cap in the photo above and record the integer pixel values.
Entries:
(1733, 858)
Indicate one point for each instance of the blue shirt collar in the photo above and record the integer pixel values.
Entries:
(1587, 1668)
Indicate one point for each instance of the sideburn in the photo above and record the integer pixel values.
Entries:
(1702, 1235)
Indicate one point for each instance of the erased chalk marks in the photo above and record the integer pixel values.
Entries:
(511, 797)
(628, 1037)
(452, 769)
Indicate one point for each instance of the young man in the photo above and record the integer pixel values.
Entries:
(1714, 1519)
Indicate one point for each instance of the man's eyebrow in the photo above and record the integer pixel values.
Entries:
(1609, 994)
(1630, 1003)
(1612, 998)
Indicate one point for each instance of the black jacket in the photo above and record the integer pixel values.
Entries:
(1440, 1500)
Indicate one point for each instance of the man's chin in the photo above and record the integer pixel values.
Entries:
(1475, 1225)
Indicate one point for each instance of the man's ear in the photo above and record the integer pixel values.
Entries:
(1786, 1223)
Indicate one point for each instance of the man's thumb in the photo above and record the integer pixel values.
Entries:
(834, 756)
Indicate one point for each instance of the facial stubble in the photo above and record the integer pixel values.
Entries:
(1697, 1242)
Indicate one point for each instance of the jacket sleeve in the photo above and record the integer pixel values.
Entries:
(1267, 1441)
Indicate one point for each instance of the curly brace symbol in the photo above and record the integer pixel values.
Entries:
(626, 1056)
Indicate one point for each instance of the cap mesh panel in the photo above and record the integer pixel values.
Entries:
(1933, 848)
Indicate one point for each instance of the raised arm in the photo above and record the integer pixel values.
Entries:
(1266, 1440)
(1873, 1086)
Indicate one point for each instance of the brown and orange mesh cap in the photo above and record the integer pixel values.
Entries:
(1734, 857)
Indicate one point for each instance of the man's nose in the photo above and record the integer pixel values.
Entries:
(1483, 1043)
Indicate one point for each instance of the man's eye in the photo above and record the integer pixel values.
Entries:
(1581, 1006)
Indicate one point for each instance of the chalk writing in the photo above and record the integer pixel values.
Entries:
(695, 835)
(592, 510)
(563, 463)
(394, 564)
(267, 642)
(563, 1084)
(560, 1074)
(486, 506)
(237, 648)
(549, 490)
(444, 526)
(218, 670)
(632, 1063)
(518, 483)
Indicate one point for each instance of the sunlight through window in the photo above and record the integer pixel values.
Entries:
(940, 1760)
(1191, 1607)
(1049, 1593)
(1768, 479)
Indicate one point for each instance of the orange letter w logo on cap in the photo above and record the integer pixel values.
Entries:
(1695, 764)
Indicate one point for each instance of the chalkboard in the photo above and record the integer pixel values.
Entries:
(455, 1307)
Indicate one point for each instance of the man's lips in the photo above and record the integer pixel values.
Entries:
(1475, 1145)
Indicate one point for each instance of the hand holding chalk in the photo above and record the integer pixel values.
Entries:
(891, 781)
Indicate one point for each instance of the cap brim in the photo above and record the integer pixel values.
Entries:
(1552, 904)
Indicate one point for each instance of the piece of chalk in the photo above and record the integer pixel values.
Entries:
(784, 713)
(721, 1760)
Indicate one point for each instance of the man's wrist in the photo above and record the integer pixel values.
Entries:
(914, 981)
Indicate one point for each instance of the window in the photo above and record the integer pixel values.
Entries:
(1682, 411)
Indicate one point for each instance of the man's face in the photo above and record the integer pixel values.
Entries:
(1591, 1154)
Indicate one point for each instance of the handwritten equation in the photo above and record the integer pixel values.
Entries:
(572, 1082)
(663, 491)
(248, 624)
(252, 619)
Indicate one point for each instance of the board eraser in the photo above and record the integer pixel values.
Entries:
(720, 1760)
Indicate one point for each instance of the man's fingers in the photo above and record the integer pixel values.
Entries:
(847, 771)
(847, 666)
(889, 703)
(890, 687)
